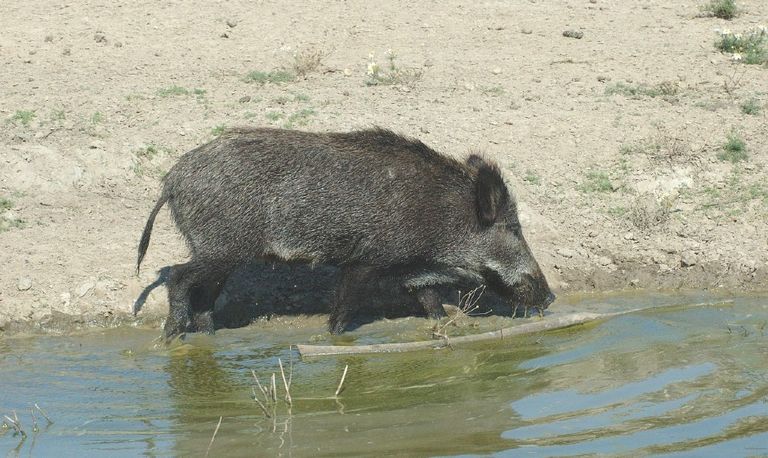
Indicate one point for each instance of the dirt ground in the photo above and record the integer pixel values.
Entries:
(609, 141)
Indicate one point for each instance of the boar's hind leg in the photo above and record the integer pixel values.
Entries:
(349, 297)
(432, 303)
(192, 291)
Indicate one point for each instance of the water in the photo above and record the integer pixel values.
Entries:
(675, 381)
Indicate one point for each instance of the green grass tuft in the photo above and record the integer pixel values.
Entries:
(23, 116)
(734, 149)
(724, 9)
(532, 177)
(275, 76)
(749, 48)
(597, 181)
(218, 130)
(751, 107)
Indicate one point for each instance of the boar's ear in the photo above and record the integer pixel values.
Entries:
(475, 161)
(491, 193)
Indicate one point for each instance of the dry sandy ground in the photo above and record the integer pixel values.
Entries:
(98, 99)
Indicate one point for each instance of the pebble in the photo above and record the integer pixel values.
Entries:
(245, 99)
(566, 253)
(688, 259)
(232, 23)
(496, 71)
(100, 37)
(573, 34)
(24, 283)
(84, 288)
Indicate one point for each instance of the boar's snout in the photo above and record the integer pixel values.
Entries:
(535, 291)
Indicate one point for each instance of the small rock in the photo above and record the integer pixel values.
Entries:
(232, 23)
(496, 71)
(566, 253)
(84, 289)
(224, 35)
(526, 31)
(573, 34)
(100, 37)
(604, 260)
(629, 236)
(118, 44)
(245, 99)
(24, 284)
(49, 38)
(67, 51)
(405, 89)
(603, 78)
(688, 259)
(347, 72)
(634, 282)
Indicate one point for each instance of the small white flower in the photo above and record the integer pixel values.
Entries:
(736, 57)
(373, 68)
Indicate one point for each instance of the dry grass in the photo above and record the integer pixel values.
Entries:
(647, 212)
(307, 61)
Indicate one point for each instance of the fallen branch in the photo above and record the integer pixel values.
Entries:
(544, 324)
(547, 323)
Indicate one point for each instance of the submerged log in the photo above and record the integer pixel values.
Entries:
(545, 324)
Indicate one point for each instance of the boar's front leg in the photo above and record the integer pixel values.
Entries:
(349, 296)
(432, 303)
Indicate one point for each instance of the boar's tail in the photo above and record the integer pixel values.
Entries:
(144, 243)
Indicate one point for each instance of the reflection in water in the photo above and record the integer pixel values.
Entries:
(669, 382)
(567, 401)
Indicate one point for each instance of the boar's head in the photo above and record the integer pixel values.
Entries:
(506, 263)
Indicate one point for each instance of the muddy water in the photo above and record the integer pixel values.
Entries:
(682, 381)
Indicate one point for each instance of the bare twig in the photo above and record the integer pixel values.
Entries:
(34, 420)
(14, 422)
(467, 305)
(341, 382)
(285, 382)
(44, 414)
(263, 390)
(263, 408)
(290, 365)
(214, 436)
(274, 388)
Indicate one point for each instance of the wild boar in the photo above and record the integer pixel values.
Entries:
(373, 203)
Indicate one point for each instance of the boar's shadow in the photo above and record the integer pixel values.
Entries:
(263, 289)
